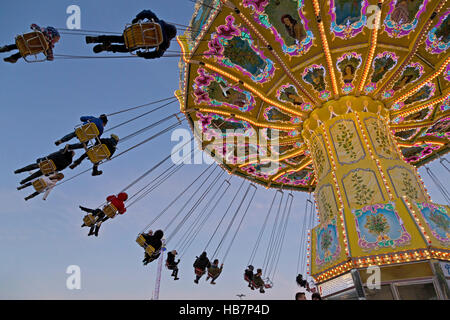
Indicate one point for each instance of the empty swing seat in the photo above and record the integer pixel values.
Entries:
(143, 35)
(98, 153)
(31, 43)
(47, 167)
(110, 210)
(89, 220)
(39, 185)
(87, 132)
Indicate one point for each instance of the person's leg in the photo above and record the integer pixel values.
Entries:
(66, 138)
(13, 58)
(26, 185)
(175, 273)
(98, 225)
(78, 161)
(105, 39)
(35, 175)
(91, 231)
(146, 259)
(30, 167)
(31, 196)
(8, 48)
(214, 279)
(75, 146)
(117, 48)
(95, 171)
(87, 209)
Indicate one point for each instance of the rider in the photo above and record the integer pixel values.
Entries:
(200, 264)
(50, 183)
(110, 143)
(169, 32)
(51, 36)
(258, 281)
(62, 159)
(154, 240)
(99, 122)
(171, 264)
(249, 276)
(100, 216)
(214, 271)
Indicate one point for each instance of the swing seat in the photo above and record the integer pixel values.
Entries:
(110, 210)
(87, 132)
(47, 167)
(149, 249)
(89, 220)
(141, 240)
(98, 153)
(32, 43)
(39, 185)
(199, 272)
(143, 35)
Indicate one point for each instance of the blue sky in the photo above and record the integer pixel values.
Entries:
(41, 102)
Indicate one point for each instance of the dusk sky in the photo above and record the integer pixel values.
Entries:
(41, 102)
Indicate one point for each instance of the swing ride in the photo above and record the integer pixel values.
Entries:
(305, 96)
(359, 99)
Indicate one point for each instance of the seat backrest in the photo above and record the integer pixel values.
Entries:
(47, 166)
(110, 210)
(39, 185)
(31, 43)
(87, 132)
(143, 36)
(141, 240)
(98, 153)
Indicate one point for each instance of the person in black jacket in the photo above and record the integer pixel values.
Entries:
(200, 265)
(169, 32)
(62, 159)
(154, 240)
(110, 143)
(171, 264)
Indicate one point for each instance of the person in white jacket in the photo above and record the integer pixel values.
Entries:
(49, 182)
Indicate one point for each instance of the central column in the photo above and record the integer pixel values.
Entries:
(361, 181)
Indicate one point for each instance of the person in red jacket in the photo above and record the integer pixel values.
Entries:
(118, 201)
(100, 216)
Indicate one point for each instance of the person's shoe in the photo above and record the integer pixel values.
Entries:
(212, 282)
(27, 198)
(261, 290)
(176, 279)
(252, 288)
(57, 143)
(96, 231)
(20, 188)
(91, 39)
(97, 173)
(4, 49)
(73, 165)
(11, 59)
(196, 281)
